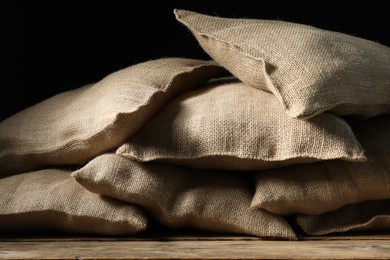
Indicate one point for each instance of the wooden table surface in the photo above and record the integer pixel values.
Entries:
(193, 245)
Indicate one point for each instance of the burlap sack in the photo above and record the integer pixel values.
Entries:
(324, 186)
(51, 200)
(369, 215)
(75, 126)
(230, 125)
(310, 70)
(181, 197)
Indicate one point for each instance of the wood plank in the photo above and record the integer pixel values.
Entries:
(179, 235)
(195, 249)
(198, 249)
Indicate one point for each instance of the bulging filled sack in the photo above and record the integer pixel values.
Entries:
(180, 197)
(75, 126)
(310, 70)
(229, 125)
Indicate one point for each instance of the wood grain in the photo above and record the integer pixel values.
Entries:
(195, 247)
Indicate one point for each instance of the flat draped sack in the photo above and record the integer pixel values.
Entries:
(309, 69)
(226, 124)
(325, 186)
(75, 126)
(179, 197)
(51, 200)
(368, 216)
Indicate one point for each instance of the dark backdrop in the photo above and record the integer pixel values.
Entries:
(56, 46)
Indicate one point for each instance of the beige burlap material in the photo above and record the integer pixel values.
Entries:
(369, 215)
(324, 186)
(309, 69)
(180, 197)
(74, 126)
(51, 200)
(230, 125)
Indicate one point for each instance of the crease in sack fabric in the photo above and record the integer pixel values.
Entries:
(75, 126)
(226, 124)
(179, 197)
(310, 70)
(51, 200)
(325, 186)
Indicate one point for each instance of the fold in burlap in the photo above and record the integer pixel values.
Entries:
(324, 186)
(51, 200)
(310, 70)
(230, 125)
(182, 197)
(75, 126)
(369, 216)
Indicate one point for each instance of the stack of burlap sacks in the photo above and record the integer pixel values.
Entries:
(284, 131)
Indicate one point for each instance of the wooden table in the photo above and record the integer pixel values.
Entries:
(193, 245)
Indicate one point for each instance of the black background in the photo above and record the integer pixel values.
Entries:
(54, 46)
